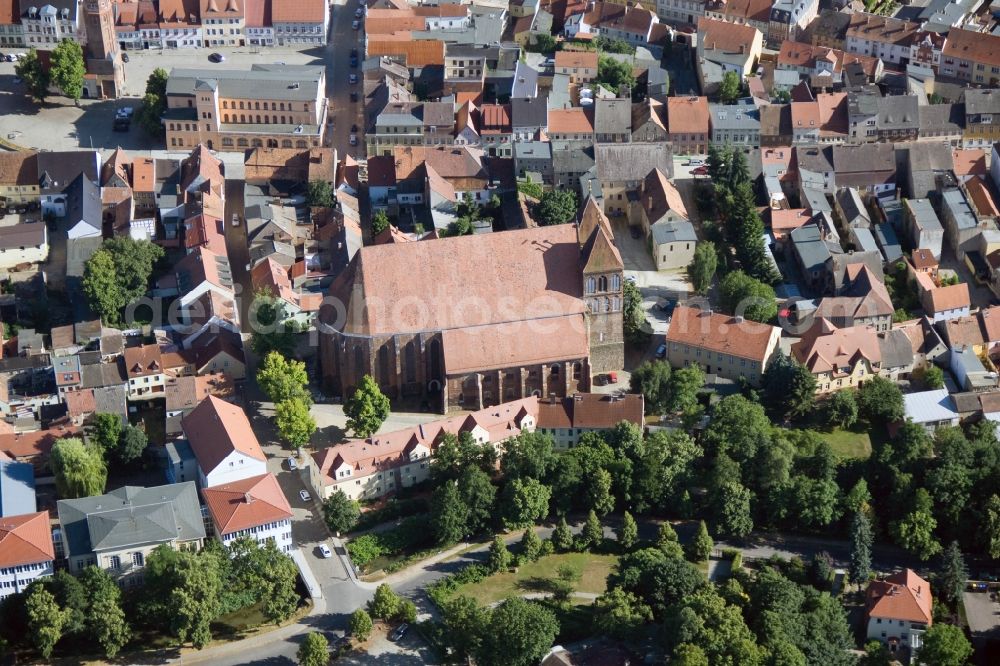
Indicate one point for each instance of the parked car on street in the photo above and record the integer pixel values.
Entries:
(398, 632)
(661, 351)
(306, 497)
(217, 57)
(700, 171)
(325, 550)
(292, 465)
(354, 97)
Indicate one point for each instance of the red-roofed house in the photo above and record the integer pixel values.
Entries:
(898, 610)
(729, 347)
(26, 551)
(370, 468)
(254, 507)
(223, 443)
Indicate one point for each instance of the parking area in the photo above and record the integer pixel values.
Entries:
(408, 651)
(983, 614)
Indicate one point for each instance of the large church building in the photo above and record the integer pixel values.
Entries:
(473, 321)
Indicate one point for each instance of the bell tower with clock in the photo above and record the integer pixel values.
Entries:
(103, 58)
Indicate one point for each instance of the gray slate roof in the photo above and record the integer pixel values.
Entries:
(612, 116)
(277, 80)
(897, 351)
(976, 101)
(131, 516)
(617, 162)
(58, 170)
(533, 112)
(674, 232)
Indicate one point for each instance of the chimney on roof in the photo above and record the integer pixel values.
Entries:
(248, 498)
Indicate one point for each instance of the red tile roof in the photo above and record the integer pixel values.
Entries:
(687, 115)
(590, 410)
(977, 47)
(143, 361)
(902, 596)
(952, 297)
(216, 428)
(578, 59)
(25, 539)
(720, 333)
(570, 121)
(246, 503)
(35, 446)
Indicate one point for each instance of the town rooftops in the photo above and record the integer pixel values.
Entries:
(951, 297)
(131, 516)
(19, 167)
(570, 121)
(143, 361)
(721, 333)
(687, 115)
(930, 406)
(246, 503)
(714, 34)
(577, 59)
(902, 596)
(882, 29)
(215, 429)
(826, 348)
(590, 410)
(17, 487)
(23, 235)
(25, 539)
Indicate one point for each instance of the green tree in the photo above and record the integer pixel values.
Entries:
(562, 538)
(592, 535)
(687, 654)
(131, 444)
(628, 535)
(384, 604)
(952, 575)
(701, 546)
(464, 624)
(745, 296)
(944, 645)
(500, 558)
(652, 381)
(543, 43)
(105, 619)
(685, 383)
(915, 531)
(449, 514)
(729, 89)
(183, 592)
(367, 408)
(79, 469)
(842, 409)
(667, 541)
(154, 102)
(990, 530)
(529, 455)
(557, 207)
(360, 625)
(340, 512)
(732, 510)
(620, 614)
(272, 332)
(319, 193)
(518, 633)
(531, 545)
(860, 567)
(597, 491)
(294, 422)
(380, 222)
(314, 650)
(478, 495)
(107, 430)
(406, 611)
(523, 502)
(789, 387)
(933, 377)
(45, 620)
(879, 399)
(118, 274)
(68, 69)
(283, 379)
(703, 266)
(658, 579)
(615, 74)
(633, 316)
(30, 70)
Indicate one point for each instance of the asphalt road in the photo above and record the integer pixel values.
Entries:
(237, 249)
(337, 58)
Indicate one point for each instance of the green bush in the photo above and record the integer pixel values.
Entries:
(397, 508)
(364, 549)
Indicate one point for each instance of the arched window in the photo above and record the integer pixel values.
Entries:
(224, 104)
(286, 143)
(607, 305)
(257, 143)
(434, 360)
(282, 120)
(602, 283)
(225, 117)
(241, 142)
(243, 118)
(591, 285)
(258, 119)
(257, 105)
(301, 144)
(577, 370)
(616, 282)
(554, 370)
(241, 106)
(282, 106)
(274, 106)
(226, 141)
(615, 304)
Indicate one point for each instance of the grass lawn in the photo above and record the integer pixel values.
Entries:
(593, 568)
(848, 443)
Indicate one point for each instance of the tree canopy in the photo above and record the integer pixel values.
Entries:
(282, 378)
(36, 79)
(118, 274)
(747, 297)
(79, 468)
(557, 207)
(367, 408)
(67, 69)
(703, 266)
(615, 74)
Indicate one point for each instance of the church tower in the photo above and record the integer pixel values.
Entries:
(603, 274)
(101, 54)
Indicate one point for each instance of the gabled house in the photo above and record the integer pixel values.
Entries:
(223, 443)
(384, 463)
(898, 610)
(664, 218)
(253, 508)
(207, 303)
(567, 419)
(26, 551)
(144, 368)
(118, 530)
(842, 358)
